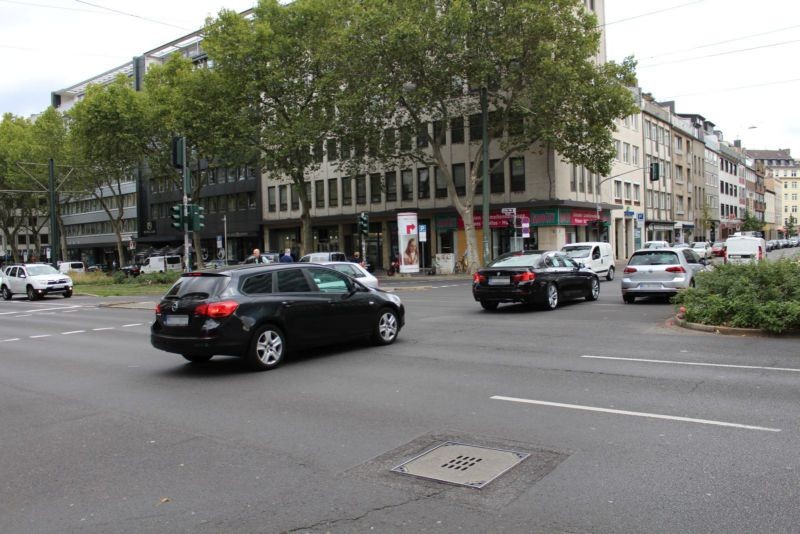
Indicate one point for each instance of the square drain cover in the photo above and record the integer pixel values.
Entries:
(465, 465)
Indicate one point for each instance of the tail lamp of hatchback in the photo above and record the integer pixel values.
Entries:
(478, 278)
(213, 310)
(673, 269)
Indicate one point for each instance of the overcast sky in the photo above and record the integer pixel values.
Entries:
(732, 61)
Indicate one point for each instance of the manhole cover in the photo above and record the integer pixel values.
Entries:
(465, 465)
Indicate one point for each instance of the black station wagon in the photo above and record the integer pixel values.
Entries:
(260, 312)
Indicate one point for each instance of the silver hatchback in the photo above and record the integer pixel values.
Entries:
(660, 272)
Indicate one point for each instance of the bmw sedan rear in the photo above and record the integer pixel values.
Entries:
(660, 272)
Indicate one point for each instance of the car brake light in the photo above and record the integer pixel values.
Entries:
(216, 310)
(678, 269)
(158, 309)
(478, 278)
(524, 277)
(629, 270)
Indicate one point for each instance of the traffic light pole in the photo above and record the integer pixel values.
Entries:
(186, 257)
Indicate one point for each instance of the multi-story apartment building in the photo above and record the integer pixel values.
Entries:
(684, 143)
(732, 191)
(770, 228)
(782, 176)
(658, 194)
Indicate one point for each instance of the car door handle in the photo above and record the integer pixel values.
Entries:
(287, 304)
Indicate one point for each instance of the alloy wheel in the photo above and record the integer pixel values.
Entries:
(269, 348)
(387, 326)
(552, 296)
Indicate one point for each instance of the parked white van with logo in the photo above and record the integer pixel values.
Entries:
(162, 264)
(745, 249)
(71, 267)
(595, 255)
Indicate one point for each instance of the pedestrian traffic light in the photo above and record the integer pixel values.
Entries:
(363, 223)
(655, 170)
(177, 216)
(198, 221)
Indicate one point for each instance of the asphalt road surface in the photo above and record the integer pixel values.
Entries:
(629, 424)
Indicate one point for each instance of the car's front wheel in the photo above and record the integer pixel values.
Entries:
(386, 327)
(551, 302)
(67, 293)
(267, 349)
(32, 293)
(489, 305)
(594, 290)
(6, 293)
(197, 358)
(610, 274)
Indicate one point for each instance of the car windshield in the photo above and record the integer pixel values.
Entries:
(516, 259)
(36, 270)
(656, 257)
(199, 287)
(577, 251)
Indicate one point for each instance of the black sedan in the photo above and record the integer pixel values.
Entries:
(533, 277)
(260, 312)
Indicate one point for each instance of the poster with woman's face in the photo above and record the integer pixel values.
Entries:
(408, 240)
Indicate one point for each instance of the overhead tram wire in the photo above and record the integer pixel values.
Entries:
(132, 15)
(650, 13)
(717, 54)
(729, 89)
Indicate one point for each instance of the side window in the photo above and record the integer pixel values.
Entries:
(12, 271)
(329, 281)
(691, 256)
(259, 283)
(569, 262)
(548, 261)
(292, 281)
(596, 253)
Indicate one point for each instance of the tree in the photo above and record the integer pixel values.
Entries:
(281, 63)
(705, 219)
(791, 226)
(418, 61)
(111, 135)
(750, 223)
(15, 186)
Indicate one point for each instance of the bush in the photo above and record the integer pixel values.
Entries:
(763, 295)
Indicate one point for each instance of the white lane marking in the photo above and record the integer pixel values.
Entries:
(26, 315)
(70, 311)
(134, 324)
(100, 329)
(73, 332)
(635, 414)
(9, 339)
(34, 310)
(701, 364)
(43, 335)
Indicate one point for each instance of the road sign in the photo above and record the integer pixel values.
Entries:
(423, 233)
(511, 212)
(131, 245)
(219, 241)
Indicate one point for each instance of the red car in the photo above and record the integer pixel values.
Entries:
(718, 249)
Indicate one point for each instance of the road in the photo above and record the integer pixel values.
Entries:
(632, 425)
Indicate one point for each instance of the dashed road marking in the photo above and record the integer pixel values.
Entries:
(40, 336)
(73, 332)
(101, 329)
(133, 324)
(9, 339)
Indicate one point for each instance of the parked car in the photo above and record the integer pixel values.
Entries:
(353, 270)
(161, 264)
(745, 249)
(660, 272)
(533, 277)
(718, 249)
(270, 257)
(655, 244)
(131, 270)
(317, 257)
(680, 245)
(98, 268)
(35, 281)
(596, 255)
(703, 249)
(262, 312)
(71, 267)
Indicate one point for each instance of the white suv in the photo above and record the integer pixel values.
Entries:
(35, 281)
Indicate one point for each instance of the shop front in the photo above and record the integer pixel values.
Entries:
(559, 226)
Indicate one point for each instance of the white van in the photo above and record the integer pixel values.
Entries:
(162, 264)
(745, 249)
(595, 255)
(71, 267)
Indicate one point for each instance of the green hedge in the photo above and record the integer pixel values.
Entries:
(765, 295)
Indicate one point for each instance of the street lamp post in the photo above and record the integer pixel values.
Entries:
(485, 178)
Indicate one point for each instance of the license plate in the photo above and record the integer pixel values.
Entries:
(649, 286)
(176, 320)
(499, 281)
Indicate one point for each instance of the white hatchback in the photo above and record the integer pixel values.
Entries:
(353, 270)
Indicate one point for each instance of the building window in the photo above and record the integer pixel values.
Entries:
(441, 187)
(283, 194)
(295, 198)
(617, 190)
(627, 191)
(617, 150)
(423, 183)
(332, 150)
(636, 193)
(407, 184)
(457, 130)
(590, 183)
(439, 135)
(375, 188)
(517, 174)
(333, 192)
(497, 179)
(405, 138)
(626, 152)
(347, 191)
(581, 179)
(422, 136)
(476, 127)
(361, 189)
(460, 178)
(573, 180)
(319, 193)
(270, 200)
(391, 186)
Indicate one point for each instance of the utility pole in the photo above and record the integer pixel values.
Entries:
(54, 238)
(225, 242)
(485, 178)
(186, 185)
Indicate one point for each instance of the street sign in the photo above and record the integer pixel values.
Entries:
(640, 216)
(219, 241)
(423, 233)
(131, 245)
(511, 212)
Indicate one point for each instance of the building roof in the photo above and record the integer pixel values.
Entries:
(781, 153)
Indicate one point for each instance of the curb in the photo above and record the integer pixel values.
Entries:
(729, 330)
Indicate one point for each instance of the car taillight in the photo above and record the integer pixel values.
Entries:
(760, 253)
(678, 269)
(629, 270)
(478, 278)
(524, 277)
(216, 310)
(158, 309)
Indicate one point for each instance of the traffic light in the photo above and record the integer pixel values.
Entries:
(177, 152)
(655, 171)
(363, 223)
(198, 221)
(177, 216)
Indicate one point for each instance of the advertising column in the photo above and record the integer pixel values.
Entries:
(408, 241)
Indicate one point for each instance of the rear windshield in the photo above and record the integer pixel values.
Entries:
(516, 260)
(656, 257)
(173, 260)
(199, 287)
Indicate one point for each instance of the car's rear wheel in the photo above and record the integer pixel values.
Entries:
(629, 299)
(551, 300)
(489, 305)
(267, 349)
(197, 358)
(594, 290)
(6, 293)
(386, 327)
(610, 274)
(32, 293)
(67, 293)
